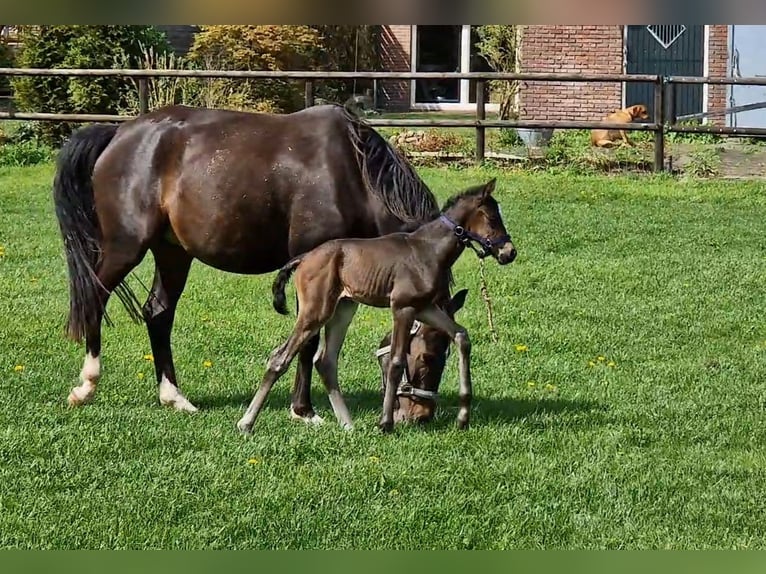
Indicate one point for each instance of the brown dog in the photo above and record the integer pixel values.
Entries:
(607, 138)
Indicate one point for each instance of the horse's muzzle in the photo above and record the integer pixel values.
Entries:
(506, 254)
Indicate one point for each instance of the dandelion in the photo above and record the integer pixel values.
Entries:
(18, 368)
(140, 376)
(530, 384)
(521, 348)
(601, 358)
(149, 357)
(611, 364)
(550, 387)
(2, 251)
(207, 364)
(253, 460)
(373, 459)
(591, 364)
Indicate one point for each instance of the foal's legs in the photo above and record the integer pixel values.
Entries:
(403, 320)
(438, 319)
(279, 362)
(327, 359)
(300, 405)
(115, 265)
(171, 268)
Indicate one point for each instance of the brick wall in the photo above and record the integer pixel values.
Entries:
(570, 49)
(718, 58)
(395, 49)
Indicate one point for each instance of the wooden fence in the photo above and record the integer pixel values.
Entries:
(663, 123)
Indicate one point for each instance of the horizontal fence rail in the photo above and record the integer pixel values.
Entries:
(314, 75)
(664, 89)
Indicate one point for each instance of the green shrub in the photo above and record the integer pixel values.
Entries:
(346, 49)
(79, 47)
(498, 46)
(509, 138)
(24, 153)
(6, 61)
(247, 47)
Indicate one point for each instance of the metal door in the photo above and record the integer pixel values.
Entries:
(668, 50)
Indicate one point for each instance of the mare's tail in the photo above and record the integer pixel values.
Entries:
(78, 222)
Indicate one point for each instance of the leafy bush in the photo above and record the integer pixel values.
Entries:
(79, 47)
(247, 47)
(6, 61)
(509, 138)
(24, 153)
(346, 49)
(498, 46)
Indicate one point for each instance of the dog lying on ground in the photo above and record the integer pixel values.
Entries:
(608, 138)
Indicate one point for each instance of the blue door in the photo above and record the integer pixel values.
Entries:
(747, 57)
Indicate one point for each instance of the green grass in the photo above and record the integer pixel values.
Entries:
(663, 450)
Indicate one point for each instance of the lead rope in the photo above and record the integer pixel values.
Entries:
(485, 291)
(487, 301)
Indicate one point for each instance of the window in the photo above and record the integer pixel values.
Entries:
(437, 49)
(445, 49)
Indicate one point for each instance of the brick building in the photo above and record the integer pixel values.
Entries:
(604, 49)
(694, 50)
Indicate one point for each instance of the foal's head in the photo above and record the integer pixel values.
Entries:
(475, 217)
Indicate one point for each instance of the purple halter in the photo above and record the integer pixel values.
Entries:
(466, 237)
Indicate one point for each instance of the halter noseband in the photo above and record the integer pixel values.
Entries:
(466, 237)
(405, 388)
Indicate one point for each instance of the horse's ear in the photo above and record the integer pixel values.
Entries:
(489, 187)
(457, 301)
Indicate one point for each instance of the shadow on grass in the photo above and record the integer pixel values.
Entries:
(484, 409)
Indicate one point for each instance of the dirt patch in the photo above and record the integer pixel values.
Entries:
(733, 159)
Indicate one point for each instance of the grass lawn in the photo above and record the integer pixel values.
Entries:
(658, 444)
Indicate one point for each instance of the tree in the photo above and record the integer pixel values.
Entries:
(498, 46)
(78, 47)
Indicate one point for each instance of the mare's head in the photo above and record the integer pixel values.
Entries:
(476, 220)
(426, 358)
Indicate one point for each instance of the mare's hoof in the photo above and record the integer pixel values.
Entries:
(81, 395)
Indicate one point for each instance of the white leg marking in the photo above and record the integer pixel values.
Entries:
(91, 370)
(170, 396)
(315, 420)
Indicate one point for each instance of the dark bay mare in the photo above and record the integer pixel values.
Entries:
(406, 272)
(240, 192)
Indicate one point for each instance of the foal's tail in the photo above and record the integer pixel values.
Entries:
(78, 222)
(280, 282)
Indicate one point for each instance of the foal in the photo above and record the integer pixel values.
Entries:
(404, 271)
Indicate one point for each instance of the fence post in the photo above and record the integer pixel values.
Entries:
(309, 92)
(143, 95)
(659, 119)
(670, 95)
(480, 115)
